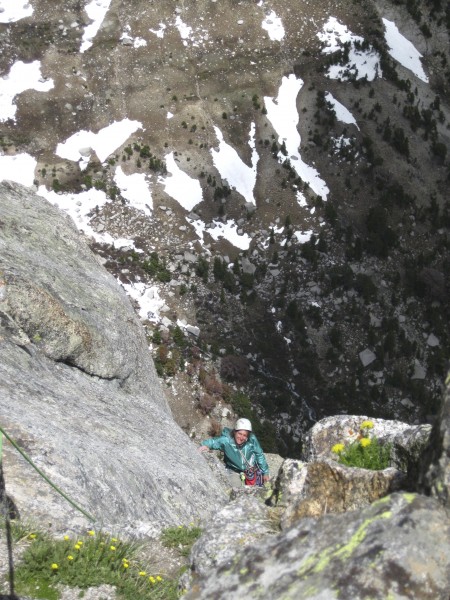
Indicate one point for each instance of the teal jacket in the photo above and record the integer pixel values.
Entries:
(251, 449)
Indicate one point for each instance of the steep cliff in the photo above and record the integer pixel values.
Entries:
(79, 390)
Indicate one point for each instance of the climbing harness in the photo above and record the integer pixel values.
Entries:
(252, 474)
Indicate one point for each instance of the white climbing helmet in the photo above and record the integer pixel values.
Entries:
(243, 424)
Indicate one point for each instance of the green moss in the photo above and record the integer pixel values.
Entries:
(381, 501)
(358, 537)
(409, 497)
(317, 563)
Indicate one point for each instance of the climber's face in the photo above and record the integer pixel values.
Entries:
(240, 436)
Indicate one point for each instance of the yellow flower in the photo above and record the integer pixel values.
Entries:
(158, 578)
(79, 542)
(114, 540)
(66, 538)
(112, 548)
(152, 579)
(365, 442)
(180, 526)
(54, 566)
(338, 448)
(70, 557)
(32, 536)
(125, 565)
(367, 425)
(77, 546)
(91, 533)
(142, 573)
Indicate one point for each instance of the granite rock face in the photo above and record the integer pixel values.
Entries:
(80, 393)
(323, 487)
(398, 547)
(61, 302)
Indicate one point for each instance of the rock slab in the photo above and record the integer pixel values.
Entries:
(80, 393)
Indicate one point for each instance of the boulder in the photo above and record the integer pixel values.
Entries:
(398, 547)
(408, 441)
(322, 487)
(80, 395)
(239, 525)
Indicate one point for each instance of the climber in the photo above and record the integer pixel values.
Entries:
(243, 455)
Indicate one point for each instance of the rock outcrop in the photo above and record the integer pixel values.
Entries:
(322, 487)
(80, 396)
(80, 393)
(396, 548)
(408, 441)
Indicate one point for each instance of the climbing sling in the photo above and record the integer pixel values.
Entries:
(253, 474)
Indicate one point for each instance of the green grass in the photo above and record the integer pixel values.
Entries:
(373, 455)
(87, 561)
(181, 538)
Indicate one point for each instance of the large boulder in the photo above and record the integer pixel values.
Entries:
(398, 547)
(241, 524)
(408, 442)
(80, 393)
(323, 487)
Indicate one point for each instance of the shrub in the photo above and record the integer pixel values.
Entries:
(202, 269)
(215, 428)
(156, 338)
(178, 336)
(213, 385)
(365, 452)
(219, 269)
(234, 368)
(206, 404)
(241, 405)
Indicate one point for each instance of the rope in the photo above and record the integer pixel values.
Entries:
(5, 510)
(54, 486)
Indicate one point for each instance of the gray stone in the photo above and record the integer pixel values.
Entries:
(419, 371)
(192, 329)
(367, 357)
(408, 442)
(323, 487)
(80, 393)
(432, 340)
(189, 257)
(247, 266)
(240, 524)
(398, 547)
